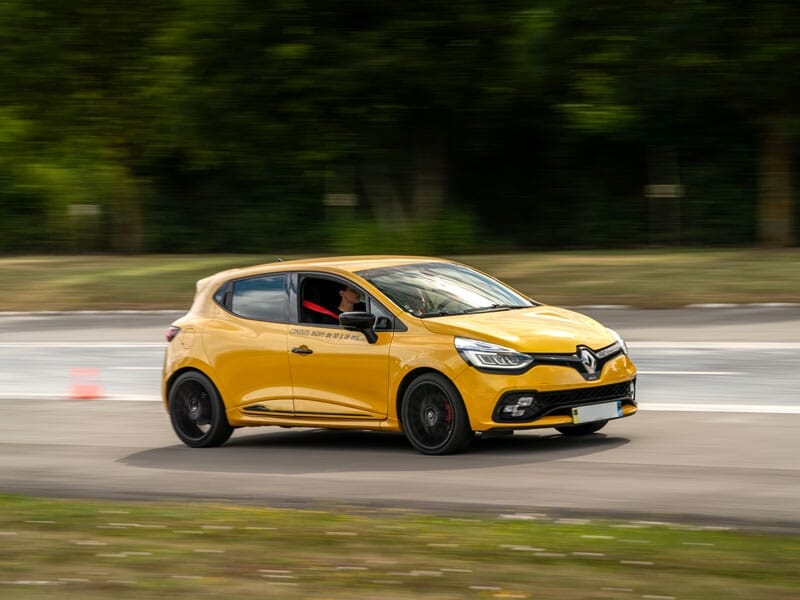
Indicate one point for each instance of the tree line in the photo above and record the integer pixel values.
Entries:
(243, 125)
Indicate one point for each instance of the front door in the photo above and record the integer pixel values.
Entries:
(336, 373)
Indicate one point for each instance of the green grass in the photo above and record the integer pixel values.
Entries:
(644, 278)
(70, 549)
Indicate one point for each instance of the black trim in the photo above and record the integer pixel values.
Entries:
(332, 415)
(260, 408)
(602, 356)
(223, 295)
(562, 401)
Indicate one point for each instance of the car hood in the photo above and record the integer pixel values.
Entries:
(536, 329)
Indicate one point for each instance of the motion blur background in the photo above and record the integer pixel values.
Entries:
(374, 126)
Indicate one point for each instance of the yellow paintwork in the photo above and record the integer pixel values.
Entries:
(348, 382)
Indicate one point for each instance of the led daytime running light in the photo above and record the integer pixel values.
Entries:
(483, 355)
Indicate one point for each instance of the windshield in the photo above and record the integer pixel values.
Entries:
(440, 289)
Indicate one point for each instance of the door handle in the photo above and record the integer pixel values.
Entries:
(302, 350)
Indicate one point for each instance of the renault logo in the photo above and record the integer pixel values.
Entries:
(588, 359)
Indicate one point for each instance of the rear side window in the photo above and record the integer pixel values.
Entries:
(262, 298)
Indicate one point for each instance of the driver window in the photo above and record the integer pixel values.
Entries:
(319, 300)
(322, 300)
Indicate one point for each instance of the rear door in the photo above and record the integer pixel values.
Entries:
(247, 345)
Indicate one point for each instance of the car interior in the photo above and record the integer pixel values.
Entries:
(319, 299)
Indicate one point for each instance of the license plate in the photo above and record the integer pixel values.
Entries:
(596, 412)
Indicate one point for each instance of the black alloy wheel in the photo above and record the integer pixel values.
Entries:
(433, 416)
(197, 412)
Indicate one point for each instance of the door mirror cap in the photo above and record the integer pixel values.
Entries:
(360, 321)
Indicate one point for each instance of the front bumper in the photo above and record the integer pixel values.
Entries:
(532, 405)
(548, 394)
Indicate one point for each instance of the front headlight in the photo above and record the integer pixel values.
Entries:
(491, 357)
(620, 341)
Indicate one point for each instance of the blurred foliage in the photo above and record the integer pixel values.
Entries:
(450, 232)
(235, 125)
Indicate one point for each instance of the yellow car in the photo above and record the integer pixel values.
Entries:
(428, 347)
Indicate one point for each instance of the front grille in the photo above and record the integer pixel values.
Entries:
(576, 360)
(615, 391)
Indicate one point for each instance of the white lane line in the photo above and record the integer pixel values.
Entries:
(30, 396)
(135, 398)
(715, 345)
(93, 313)
(81, 345)
(692, 373)
(775, 409)
(60, 396)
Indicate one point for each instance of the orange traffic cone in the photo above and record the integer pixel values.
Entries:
(85, 384)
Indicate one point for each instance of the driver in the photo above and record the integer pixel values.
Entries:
(350, 300)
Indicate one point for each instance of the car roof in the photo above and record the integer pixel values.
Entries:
(331, 264)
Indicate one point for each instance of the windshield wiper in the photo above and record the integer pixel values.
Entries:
(438, 313)
(492, 307)
(477, 309)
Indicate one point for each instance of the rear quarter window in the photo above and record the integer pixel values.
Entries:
(261, 298)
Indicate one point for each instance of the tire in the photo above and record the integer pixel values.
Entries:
(585, 429)
(196, 411)
(433, 416)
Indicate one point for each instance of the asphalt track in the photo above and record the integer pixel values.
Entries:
(734, 465)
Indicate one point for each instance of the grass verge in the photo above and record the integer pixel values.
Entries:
(648, 279)
(86, 550)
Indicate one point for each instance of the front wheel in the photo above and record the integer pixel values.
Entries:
(433, 416)
(197, 412)
(585, 429)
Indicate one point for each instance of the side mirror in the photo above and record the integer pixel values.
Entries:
(360, 321)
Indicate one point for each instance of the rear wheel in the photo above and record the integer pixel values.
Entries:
(433, 416)
(585, 429)
(197, 412)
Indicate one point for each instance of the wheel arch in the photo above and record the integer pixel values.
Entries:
(410, 377)
(185, 369)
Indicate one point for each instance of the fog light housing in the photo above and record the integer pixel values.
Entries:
(516, 407)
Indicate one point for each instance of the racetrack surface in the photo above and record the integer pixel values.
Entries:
(723, 466)
(755, 323)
